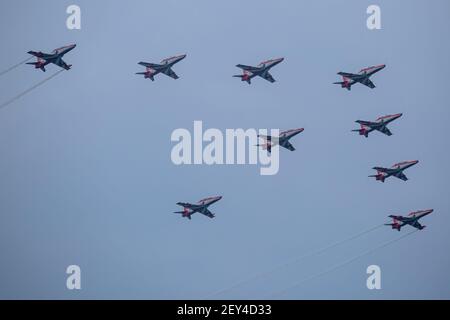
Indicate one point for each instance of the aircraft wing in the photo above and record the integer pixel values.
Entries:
(398, 218)
(366, 123)
(288, 146)
(184, 204)
(247, 68)
(207, 213)
(385, 130)
(169, 72)
(348, 75)
(40, 54)
(268, 77)
(381, 169)
(417, 225)
(367, 83)
(401, 176)
(62, 64)
(149, 65)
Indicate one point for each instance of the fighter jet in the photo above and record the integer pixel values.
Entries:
(261, 70)
(396, 170)
(201, 207)
(282, 140)
(55, 57)
(165, 66)
(362, 76)
(412, 219)
(379, 125)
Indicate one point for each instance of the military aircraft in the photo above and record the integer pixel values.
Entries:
(282, 140)
(396, 170)
(261, 70)
(165, 66)
(412, 219)
(54, 57)
(362, 76)
(201, 207)
(379, 125)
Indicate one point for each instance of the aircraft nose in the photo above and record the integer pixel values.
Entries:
(416, 161)
(182, 56)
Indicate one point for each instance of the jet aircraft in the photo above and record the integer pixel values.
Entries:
(396, 170)
(282, 140)
(201, 207)
(362, 77)
(379, 125)
(165, 67)
(261, 70)
(54, 57)
(411, 219)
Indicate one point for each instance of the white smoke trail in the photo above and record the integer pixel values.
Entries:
(343, 263)
(30, 89)
(15, 66)
(296, 260)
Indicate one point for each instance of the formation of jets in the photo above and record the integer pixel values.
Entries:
(54, 57)
(282, 140)
(396, 171)
(411, 219)
(378, 125)
(262, 70)
(349, 79)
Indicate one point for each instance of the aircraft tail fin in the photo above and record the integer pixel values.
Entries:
(344, 84)
(243, 78)
(37, 65)
(361, 132)
(394, 226)
(183, 213)
(378, 177)
(146, 75)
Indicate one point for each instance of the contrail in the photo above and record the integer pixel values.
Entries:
(30, 89)
(296, 260)
(14, 66)
(344, 263)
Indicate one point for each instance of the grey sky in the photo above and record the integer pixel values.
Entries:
(86, 176)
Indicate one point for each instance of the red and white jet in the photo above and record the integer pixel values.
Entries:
(379, 125)
(202, 207)
(261, 70)
(349, 79)
(396, 170)
(281, 140)
(165, 67)
(54, 57)
(411, 219)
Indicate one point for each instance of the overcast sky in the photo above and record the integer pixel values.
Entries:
(87, 179)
